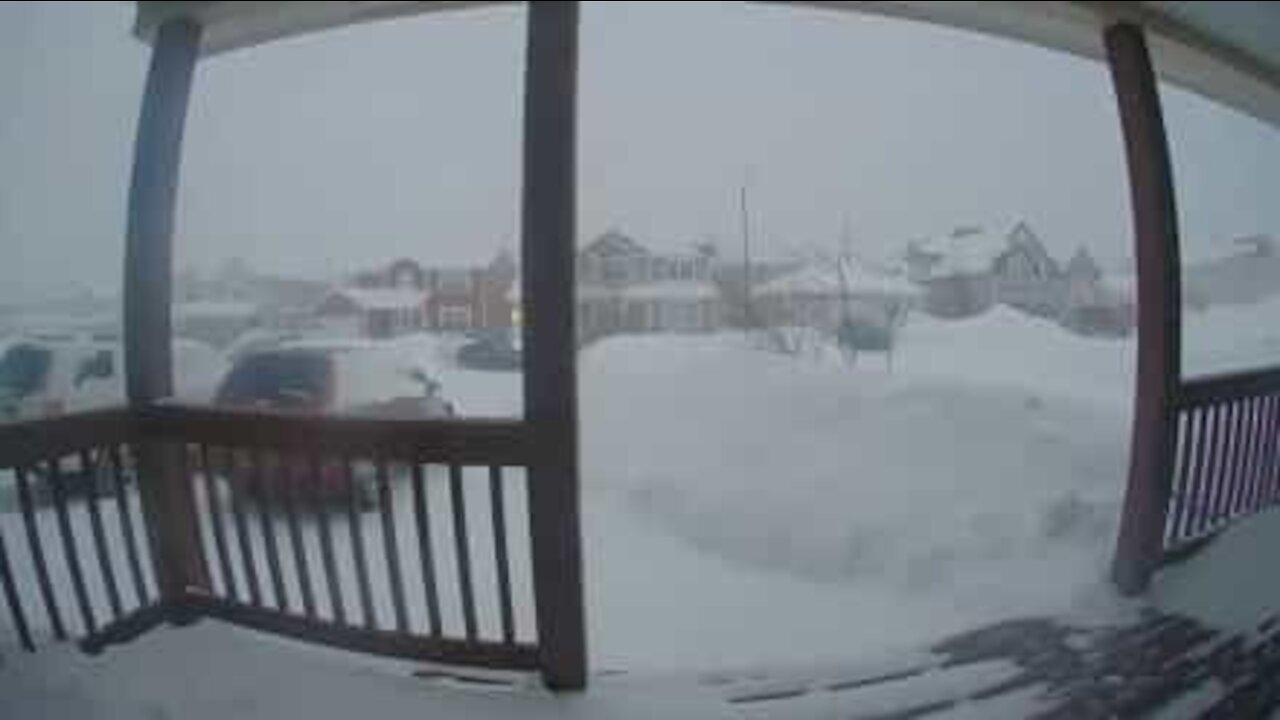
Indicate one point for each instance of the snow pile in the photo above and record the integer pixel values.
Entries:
(1231, 585)
(475, 393)
(1006, 348)
(1231, 338)
(935, 476)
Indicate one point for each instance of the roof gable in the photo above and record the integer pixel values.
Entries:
(613, 243)
(1022, 242)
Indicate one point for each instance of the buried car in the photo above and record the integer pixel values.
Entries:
(45, 376)
(326, 379)
(491, 350)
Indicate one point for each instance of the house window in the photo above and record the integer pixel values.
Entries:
(404, 277)
(615, 269)
(686, 269)
(454, 282)
(455, 317)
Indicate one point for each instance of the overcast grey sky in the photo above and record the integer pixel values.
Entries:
(323, 154)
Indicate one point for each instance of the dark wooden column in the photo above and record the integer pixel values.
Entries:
(550, 374)
(1155, 235)
(148, 279)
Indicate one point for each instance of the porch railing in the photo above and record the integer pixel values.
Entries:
(74, 554)
(1227, 454)
(389, 537)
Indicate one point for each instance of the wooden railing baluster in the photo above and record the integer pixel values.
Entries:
(1196, 485)
(263, 491)
(36, 548)
(101, 550)
(426, 555)
(1251, 463)
(1271, 479)
(287, 480)
(357, 546)
(239, 487)
(1266, 438)
(69, 549)
(11, 597)
(1221, 453)
(390, 548)
(1204, 467)
(1188, 480)
(462, 548)
(217, 522)
(1234, 469)
(497, 505)
(327, 557)
(124, 512)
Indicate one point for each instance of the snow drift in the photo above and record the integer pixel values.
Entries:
(809, 468)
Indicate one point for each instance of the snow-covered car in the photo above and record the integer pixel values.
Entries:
(258, 339)
(492, 350)
(44, 376)
(328, 379)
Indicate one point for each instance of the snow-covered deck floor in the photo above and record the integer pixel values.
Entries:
(1205, 643)
(215, 671)
(1161, 666)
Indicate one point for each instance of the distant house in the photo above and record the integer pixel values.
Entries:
(213, 305)
(1092, 305)
(821, 294)
(728, 275)
(453, 298)
(955, 271)
(215, 322)
(625, 288)
(1027, 277)
(372, 312)
(1248, 275)
(922, 257)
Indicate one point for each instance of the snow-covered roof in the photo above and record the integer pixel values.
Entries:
(381, 298)
(965, 252)
(214, 308)
(664, 290)
(809, 279)
(863, 280)
(814, 279)
(613, 243)
(671, 289)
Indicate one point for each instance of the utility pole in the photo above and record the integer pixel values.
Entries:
(746, 255)
(843, 257)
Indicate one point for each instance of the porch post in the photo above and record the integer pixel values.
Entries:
(166, 495)
(547, 250)
(1155, 235)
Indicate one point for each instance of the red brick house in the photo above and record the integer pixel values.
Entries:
(453, 298)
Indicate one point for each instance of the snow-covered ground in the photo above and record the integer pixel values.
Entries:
(835, 508)
(1231, 338)
(1230, 585)
(743, 507)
